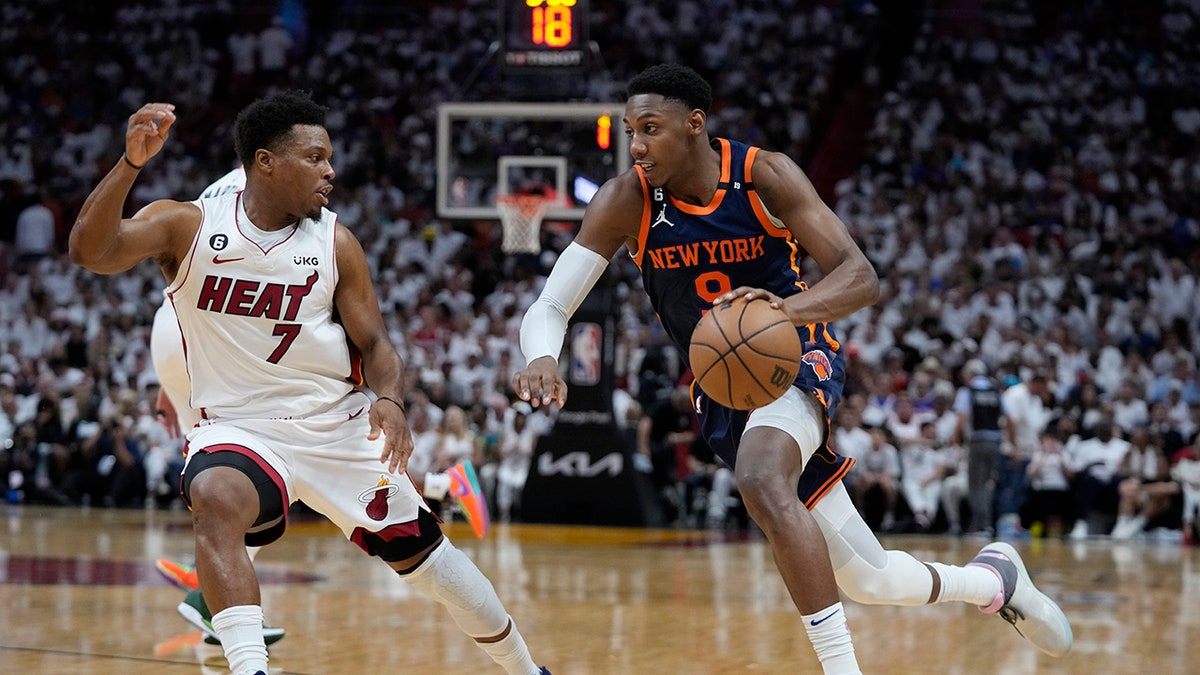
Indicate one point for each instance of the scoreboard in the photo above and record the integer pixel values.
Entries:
(544, 34)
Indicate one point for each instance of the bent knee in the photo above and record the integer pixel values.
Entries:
(760, 486)
(223, 493)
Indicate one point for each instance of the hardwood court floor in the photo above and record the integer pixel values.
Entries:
(79, 594)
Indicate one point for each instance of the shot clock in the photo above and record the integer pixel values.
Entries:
(544, 34)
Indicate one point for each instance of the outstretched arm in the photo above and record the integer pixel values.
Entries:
(612, 218)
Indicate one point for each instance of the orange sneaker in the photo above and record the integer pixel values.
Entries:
(464, 485)
(180, 574)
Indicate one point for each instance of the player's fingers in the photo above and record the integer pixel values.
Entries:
(399, 461)
(561, 388)
(520, 384)
(535, 389)
(740, 291)
(163, 128)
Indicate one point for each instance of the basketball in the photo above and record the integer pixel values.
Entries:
(745, 354)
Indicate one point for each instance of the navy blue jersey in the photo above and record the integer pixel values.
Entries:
(689, 255)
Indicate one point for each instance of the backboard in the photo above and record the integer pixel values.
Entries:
(489, 149)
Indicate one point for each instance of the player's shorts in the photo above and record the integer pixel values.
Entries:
(818, 385)
(326, 461)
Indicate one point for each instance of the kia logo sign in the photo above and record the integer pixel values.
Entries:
(580, 464)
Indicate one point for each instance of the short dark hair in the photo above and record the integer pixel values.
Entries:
(674, 81)
(267, 121)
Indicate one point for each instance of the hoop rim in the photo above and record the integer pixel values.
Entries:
(527, 204)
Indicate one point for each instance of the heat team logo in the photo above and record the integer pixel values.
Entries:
(376, 498)
(819, 362)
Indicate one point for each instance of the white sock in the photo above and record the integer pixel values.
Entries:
(436, 486)
(511, 653)
(830, 638)
(975, 585)
(240, 631)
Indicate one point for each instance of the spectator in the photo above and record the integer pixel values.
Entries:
(1025, 417)
(274, 48)
(426, 440)
(457, 442)
(1129, 410)
(515, 448)
(850, 438)
(955, 489)
(878, 472)
(1096, 463)
(922, 468)
(904, 424)
(37, 226)
(665, 436)
(1146, 489)
(1049, 505)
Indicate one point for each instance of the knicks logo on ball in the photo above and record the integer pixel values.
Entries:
(376, 498)
(819, 362)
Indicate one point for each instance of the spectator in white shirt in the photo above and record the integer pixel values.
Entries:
(879, 470)
(516, 452)
(1096, 462)
(850, 439)
(35, 233)
(923, 467)
(1049, 502)
(1129, 408)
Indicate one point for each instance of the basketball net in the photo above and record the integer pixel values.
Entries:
(521, 218)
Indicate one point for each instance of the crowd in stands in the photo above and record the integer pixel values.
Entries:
(1027, 195)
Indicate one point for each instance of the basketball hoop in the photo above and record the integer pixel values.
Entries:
(521, 218)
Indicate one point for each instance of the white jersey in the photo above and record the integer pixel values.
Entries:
(233, 181)
(258, 327)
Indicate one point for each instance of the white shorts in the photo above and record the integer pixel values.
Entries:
(326, 461)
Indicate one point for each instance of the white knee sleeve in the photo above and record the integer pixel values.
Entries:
(450, 577)
(796, 416)
(865, 571)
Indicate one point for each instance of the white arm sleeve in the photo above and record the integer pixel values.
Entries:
(545, 323)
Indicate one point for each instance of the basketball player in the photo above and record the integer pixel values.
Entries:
(256, 278)
(708, 220)
(177, 415)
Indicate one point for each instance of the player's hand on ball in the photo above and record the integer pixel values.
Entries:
(388, 418)
(540, 384)
(750, 293)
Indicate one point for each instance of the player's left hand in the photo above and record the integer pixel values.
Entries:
(749, 293)
(387, 418)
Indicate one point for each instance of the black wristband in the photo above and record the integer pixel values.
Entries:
(392, 400)
(135, 166)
